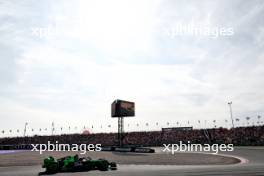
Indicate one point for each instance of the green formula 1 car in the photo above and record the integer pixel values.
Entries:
(75, 164)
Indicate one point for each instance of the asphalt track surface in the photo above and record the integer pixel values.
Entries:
(253, 164)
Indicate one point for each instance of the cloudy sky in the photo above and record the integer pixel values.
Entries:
(66, 61)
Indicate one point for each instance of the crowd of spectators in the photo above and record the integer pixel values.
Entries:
(238, 136)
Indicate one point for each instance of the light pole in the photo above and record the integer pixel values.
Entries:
(25, 129)
(259, 117)
(52, 128)
(231, 114)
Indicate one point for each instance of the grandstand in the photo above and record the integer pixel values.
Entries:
(240, 136)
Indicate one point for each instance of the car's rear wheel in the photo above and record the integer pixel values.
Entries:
(52, 168)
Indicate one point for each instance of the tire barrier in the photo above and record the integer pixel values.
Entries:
(109, 148)
(129, 149)
(16, 147)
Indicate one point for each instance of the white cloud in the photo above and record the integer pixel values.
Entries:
(121, 52)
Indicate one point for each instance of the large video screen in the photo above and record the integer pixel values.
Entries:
(121, 108)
